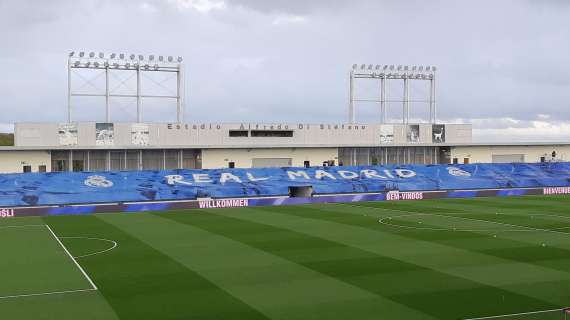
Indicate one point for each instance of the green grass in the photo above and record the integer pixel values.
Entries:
(6, 139)
(436, 259)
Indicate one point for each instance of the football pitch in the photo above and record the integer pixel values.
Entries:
(430, 259)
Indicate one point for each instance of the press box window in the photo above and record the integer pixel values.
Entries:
(272, 133)
(238, 133)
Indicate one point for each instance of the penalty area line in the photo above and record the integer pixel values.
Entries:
(516, 314)
(46, 293)
(93, 286)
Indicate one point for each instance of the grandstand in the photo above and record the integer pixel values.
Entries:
(281, 221)
(103, 163)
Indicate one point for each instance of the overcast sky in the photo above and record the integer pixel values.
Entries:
(503, 65)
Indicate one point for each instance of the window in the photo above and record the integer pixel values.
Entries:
(542, 159)
(98, 160)
(191, 159)
(79, 160)
(239, 133)
(231, 164)
(455, 161)
(272, 133)
(59, 161)
(132, 160)
(27, 169)
(42, 168)
(306, 164)
(77, 165)
(58, 165)
(152, 159)
(117, 160)
(171, 159)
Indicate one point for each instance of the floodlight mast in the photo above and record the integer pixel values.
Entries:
(392, 72)
(406, 102)
(351, 118)
(119, 62)
(432, 104)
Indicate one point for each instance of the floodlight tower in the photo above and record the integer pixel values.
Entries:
(121, 62)
(391, 72)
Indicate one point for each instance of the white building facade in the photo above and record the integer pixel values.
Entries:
(91, 146)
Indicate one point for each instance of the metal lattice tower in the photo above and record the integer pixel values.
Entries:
(387, 73)
(121, 63)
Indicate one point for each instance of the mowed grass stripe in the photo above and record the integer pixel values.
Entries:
(26, 248)
(525, 247)
(33, 262)
(538, 204)
(518, 219)
(367, 217)
(440, 295)
(522, 247)
(481, 268)
(277, 287)
(551, 204)
(88, 305)
(552, 289)
(140, 282)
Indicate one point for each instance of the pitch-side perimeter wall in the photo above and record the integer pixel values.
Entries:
(273, 201)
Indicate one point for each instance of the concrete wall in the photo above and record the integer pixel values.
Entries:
(217, 135)
(14, 161)
(484, 154)
(219, 158)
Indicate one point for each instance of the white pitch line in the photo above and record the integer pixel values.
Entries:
(383, 221)
(501, 223)
(452, 216)
(515, 314)
(94, 253)
(72, 258)
(46, 293)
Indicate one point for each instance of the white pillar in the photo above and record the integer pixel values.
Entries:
(139, 111)
(383, 100)
(107, 105)
(178, 94)
(69, 115)
(433, 99)
(351, 117)
(406, 102)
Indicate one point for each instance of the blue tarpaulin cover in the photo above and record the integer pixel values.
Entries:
(27, 189)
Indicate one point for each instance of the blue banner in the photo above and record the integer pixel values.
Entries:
(91, 187)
